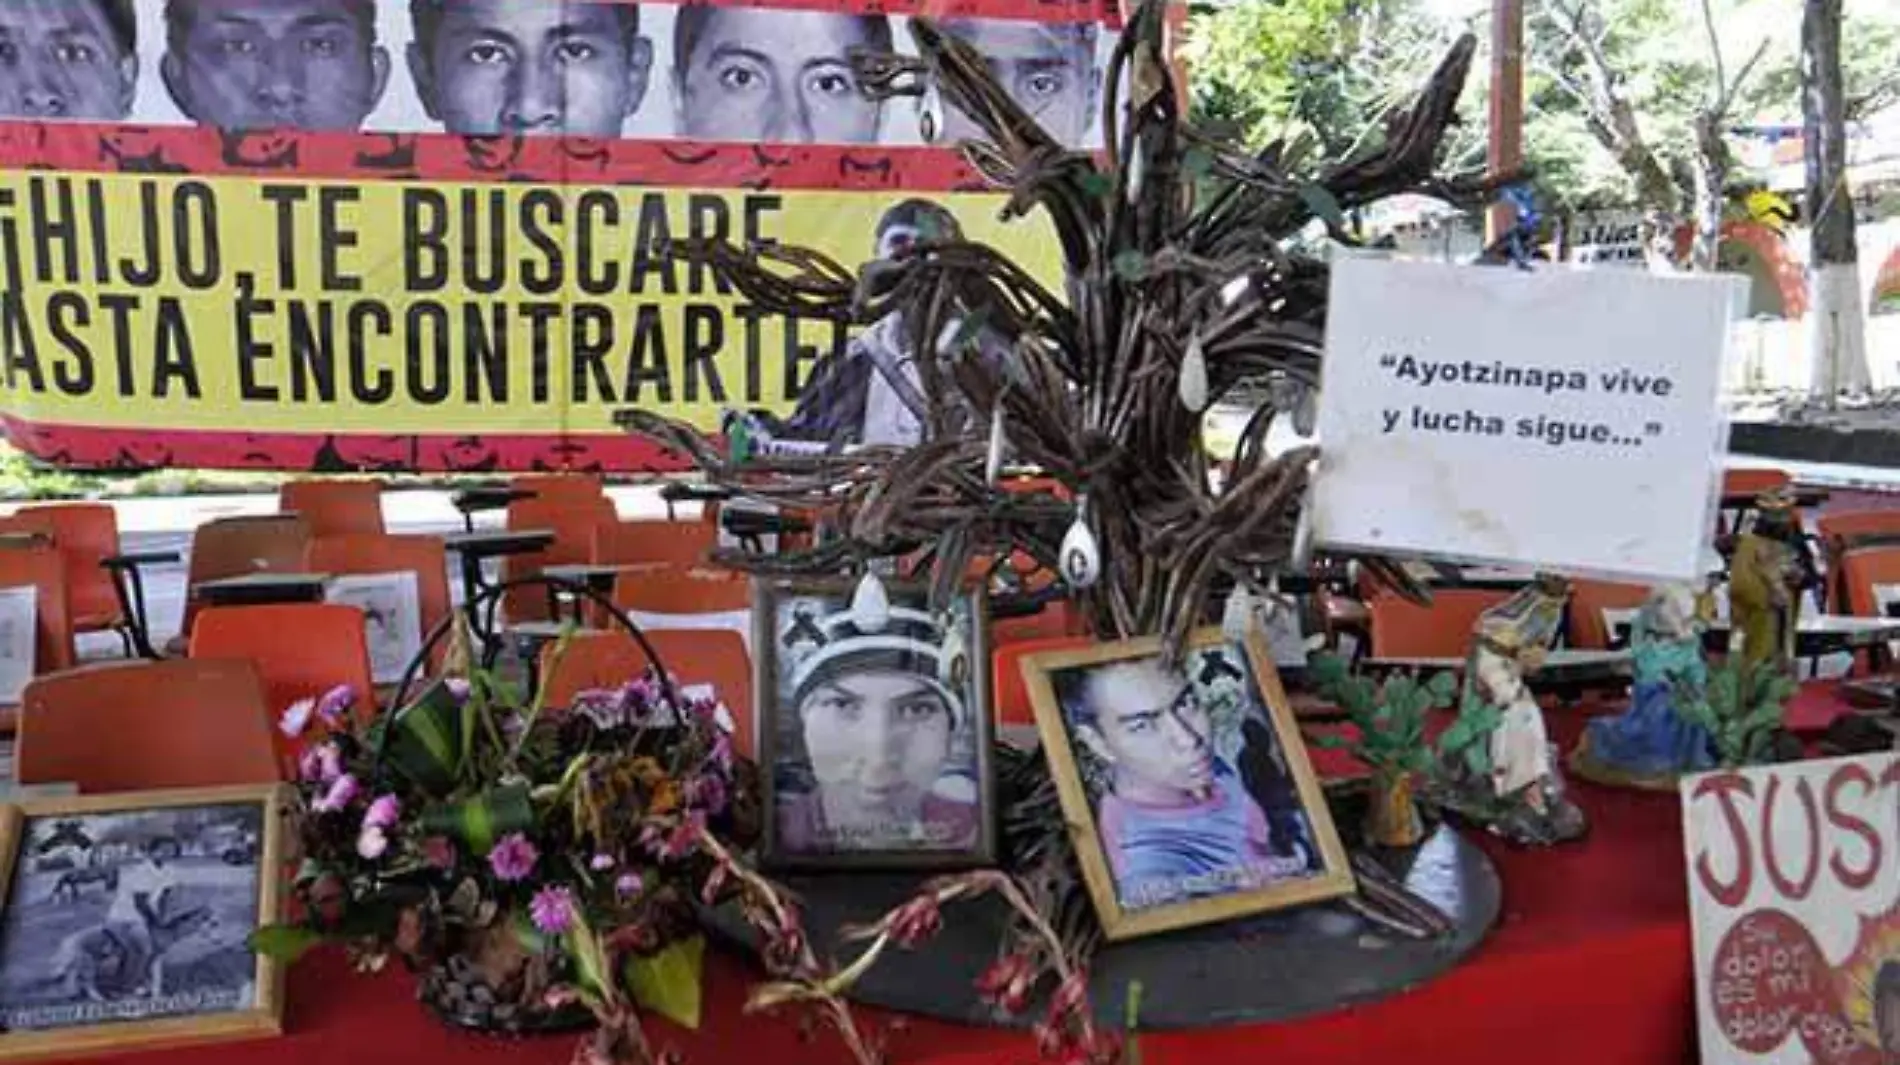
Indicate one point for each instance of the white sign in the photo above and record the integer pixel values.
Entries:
(392, 619)
(1794, 903)
(1558, 418)
(1608, 239)
(19, 644)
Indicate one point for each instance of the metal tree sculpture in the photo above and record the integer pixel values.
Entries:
(1178, 289)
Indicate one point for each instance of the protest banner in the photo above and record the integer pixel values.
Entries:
(1794, 898)
(384, 235)
(1502, 416)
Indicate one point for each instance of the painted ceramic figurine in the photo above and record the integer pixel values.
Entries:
(1771, 567)
(1501, 769)
(1650, 745)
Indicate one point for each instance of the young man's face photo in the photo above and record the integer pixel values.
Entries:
(62, 59)
(1153, 733)
(877, 740)
(274, 64)
(532, 67)
(1048, 70)
(757, 75)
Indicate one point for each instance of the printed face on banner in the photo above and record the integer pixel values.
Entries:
(274, 64)
(68, 59)
(1049, 70)
(757, 74)
(1794, 898)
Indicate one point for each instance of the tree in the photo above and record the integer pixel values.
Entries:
(1835, 322)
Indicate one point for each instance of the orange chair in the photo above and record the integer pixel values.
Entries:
(677, 543)
(334, 507)
(561, 487)
(1008, 691)
(1588, 601)
(1753, 482)
(232, 547)
(1403, 629)
(363, 553)
(133, 726)
(1844, 531)
(572, 521)
(86, 535)
(664, 590)
(39, 566)
(301, 650)
(609, 658)
(1862, 570)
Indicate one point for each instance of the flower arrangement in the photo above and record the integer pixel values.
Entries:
(547, 867)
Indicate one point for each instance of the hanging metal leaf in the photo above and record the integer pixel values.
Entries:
(1324, 205)
(993, 463)
(1193, 381)
(1081, 558)
(870, 604)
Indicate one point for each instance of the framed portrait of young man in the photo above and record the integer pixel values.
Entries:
(127, 919)
(874, 727)
(1187, 789)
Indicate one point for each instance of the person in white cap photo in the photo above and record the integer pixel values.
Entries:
(879, 751)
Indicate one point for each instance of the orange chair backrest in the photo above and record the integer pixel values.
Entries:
(678, 543)
(665, 590)
(561, 487)
(301, 650)
(1864, 568)
(1588, 601)
(84, 534)
(39, 567)
(1402, 629)
(1753, 481)
(423, 556)
(334, 507)
(133, 726)
(572, 521)
(1009, 692)
(1847, 524)
(232, 547)
(608, 658)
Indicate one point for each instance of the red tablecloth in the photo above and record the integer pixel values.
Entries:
(1589, 965)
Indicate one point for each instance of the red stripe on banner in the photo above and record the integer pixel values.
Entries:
(96, 447)
(190, 150)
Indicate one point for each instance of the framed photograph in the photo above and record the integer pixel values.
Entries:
(1188, 790)
(19, 643)
(392, 618)
(126, 918)
(874, 727)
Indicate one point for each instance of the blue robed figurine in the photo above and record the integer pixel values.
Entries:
(1651, 744)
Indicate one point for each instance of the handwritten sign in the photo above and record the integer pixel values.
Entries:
(1794, 897)
(1563, 419)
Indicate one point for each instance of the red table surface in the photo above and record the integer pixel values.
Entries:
(1589, 963)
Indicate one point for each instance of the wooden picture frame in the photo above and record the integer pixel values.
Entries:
(1251, 718)
(223, 847)
(796, 807)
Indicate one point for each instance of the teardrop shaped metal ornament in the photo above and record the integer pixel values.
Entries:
(1306, 411)
(928, 125)
(1237, 617)
(953, 657)
(870, 604)
(1137, 170)
(1193, 382)
(993, 462)
(1081, 558)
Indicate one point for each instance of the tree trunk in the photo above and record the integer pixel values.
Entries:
(1836, 322)
(1711, 181)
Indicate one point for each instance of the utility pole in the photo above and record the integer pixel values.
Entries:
(1507, 105)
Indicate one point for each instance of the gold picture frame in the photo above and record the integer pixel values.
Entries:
(1328, 871)
(119, 835)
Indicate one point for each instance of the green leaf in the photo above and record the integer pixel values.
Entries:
(1319, 200)
(424, 742)
(1196, 163)
(669, 982)
(1097, 184)
(283, 942)
(526, 934)
(1442, 687)
(1130, 266)
(479, 821)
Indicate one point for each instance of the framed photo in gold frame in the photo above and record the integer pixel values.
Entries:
(126, 917)
(1188, 791)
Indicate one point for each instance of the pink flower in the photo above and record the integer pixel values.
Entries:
(601, 863)
(439, 852)
(709, 793)
(320, 764)
(335, 704)
(629, 886)
(383, 812)
(457, 688)
(343, 791)
(916, 920)
(552, 909)
(513, 858)
(371, 842)
(296, 718)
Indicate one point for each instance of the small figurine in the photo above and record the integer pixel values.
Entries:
(1652, 744)
(1501, 771)
(1771, 568)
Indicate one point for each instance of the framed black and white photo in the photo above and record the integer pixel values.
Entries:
(1188, 790)
(126, 919)
(874, 726)
(392, 618)
(19, 628)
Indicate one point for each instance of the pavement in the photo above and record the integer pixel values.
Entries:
(166, 524)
